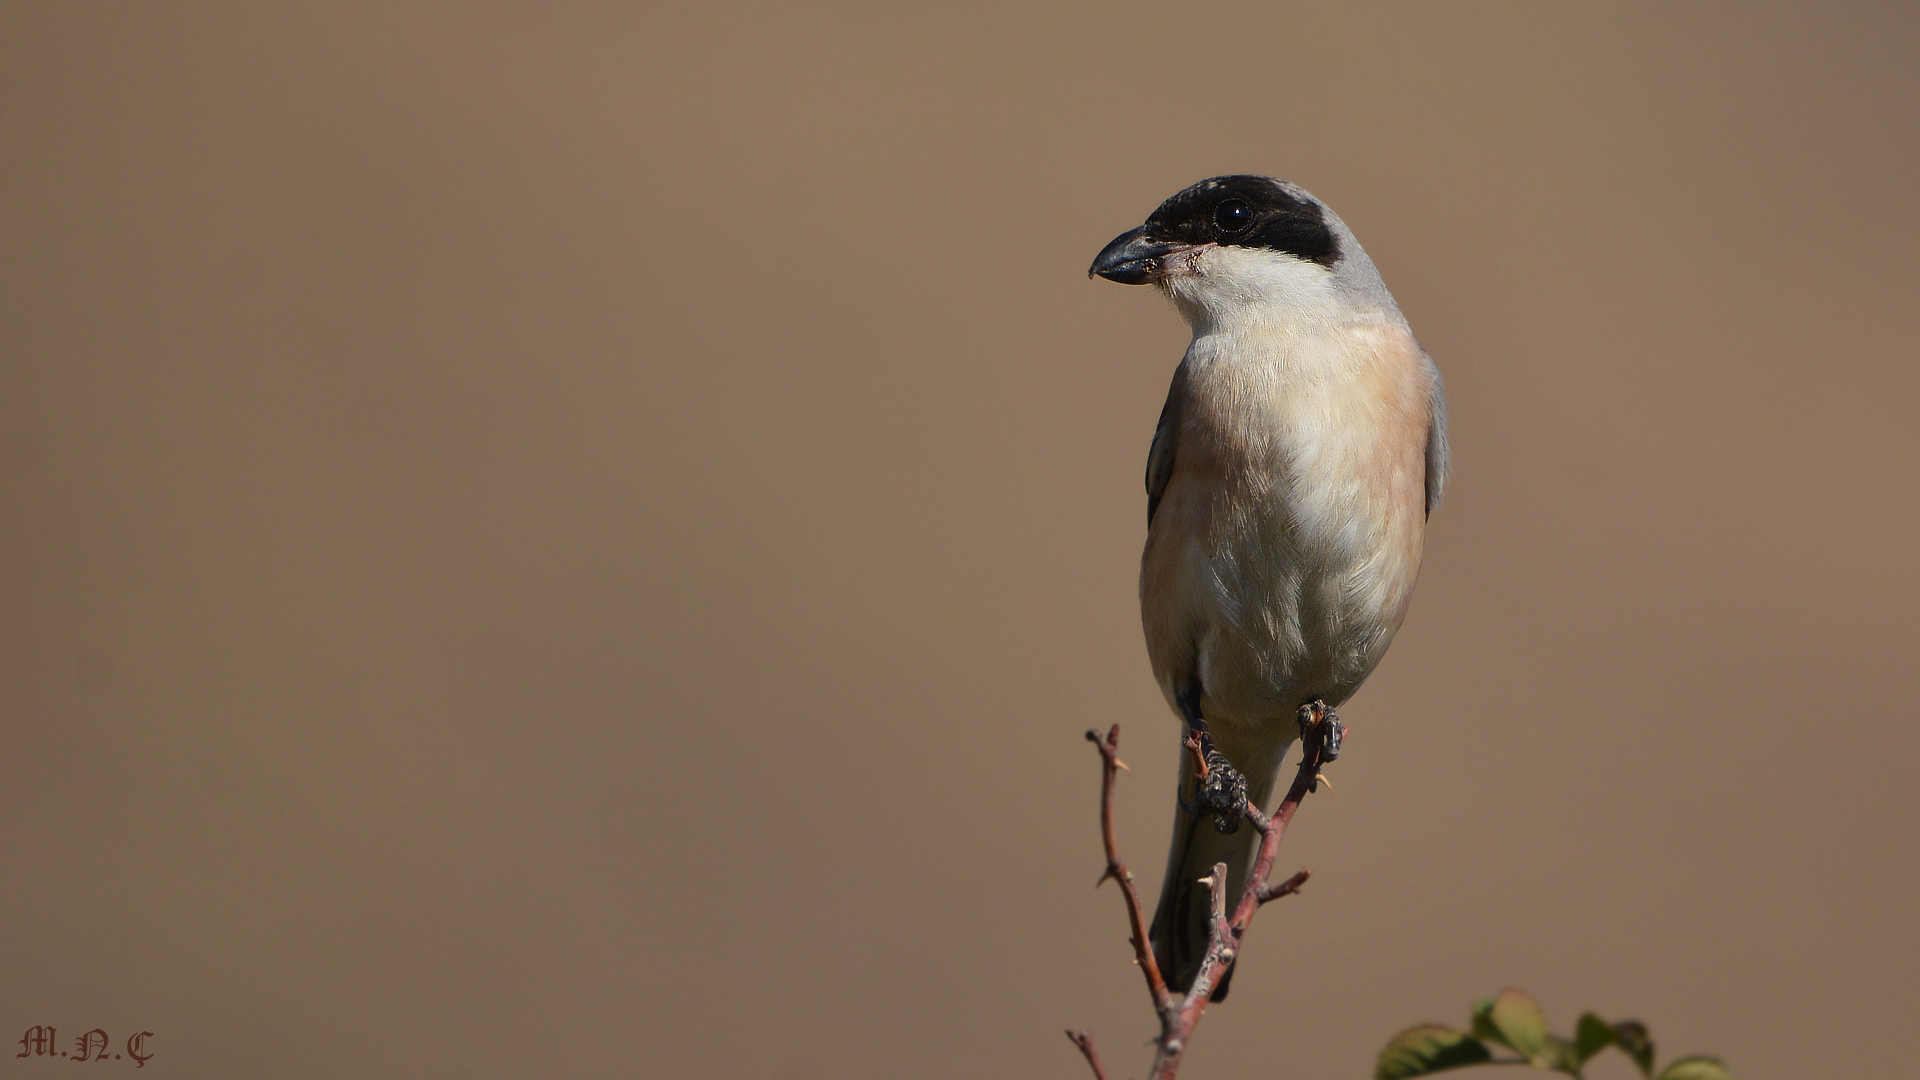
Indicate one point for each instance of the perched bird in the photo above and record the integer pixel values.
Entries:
(1301, 448)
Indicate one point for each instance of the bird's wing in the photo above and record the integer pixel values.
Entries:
(1165, 435)
(1437, 465)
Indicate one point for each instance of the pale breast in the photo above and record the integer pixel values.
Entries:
(1287, 539)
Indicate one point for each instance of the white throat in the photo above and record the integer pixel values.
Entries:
(1232, 290)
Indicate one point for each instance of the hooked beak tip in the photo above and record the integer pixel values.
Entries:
(1133, 258)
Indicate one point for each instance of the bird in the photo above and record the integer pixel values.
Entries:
(1300, 452)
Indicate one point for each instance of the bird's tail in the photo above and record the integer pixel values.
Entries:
(1180, 931)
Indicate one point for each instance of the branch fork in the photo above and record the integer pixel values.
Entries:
(1180, 1014)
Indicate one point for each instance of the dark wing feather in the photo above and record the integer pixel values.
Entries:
(1165, 435)
(1437, 463)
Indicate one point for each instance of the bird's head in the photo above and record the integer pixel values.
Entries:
(1238, 245)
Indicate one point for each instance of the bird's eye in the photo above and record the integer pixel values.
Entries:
(1232, 216)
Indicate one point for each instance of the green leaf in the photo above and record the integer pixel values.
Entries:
(1696, 1068)
(1558, 1055)
(1428, 1048)
(1522, 1025)
(1631, 1035)
(1483, 1027)
(1592, 1036)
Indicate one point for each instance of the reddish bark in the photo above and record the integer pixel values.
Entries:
(1179, 1015)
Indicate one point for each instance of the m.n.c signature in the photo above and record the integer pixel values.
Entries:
(42, 1040)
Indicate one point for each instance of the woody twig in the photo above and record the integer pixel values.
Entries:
(1320, 735)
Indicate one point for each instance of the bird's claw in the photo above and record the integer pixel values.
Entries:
(1321, 734)
(1222, 792)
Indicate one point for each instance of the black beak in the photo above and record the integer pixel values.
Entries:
(1131, 259)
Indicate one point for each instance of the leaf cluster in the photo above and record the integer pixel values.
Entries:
(1513, 1021)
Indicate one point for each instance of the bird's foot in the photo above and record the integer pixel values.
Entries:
(1321, 733)
(1222, 790)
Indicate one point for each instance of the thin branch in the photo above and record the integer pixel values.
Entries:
(1320, 741)
(1085, 1042)
(1285, 888)
(1274, 829)
(1109, 748)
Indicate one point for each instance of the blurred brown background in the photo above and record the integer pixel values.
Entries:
(581, 539)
